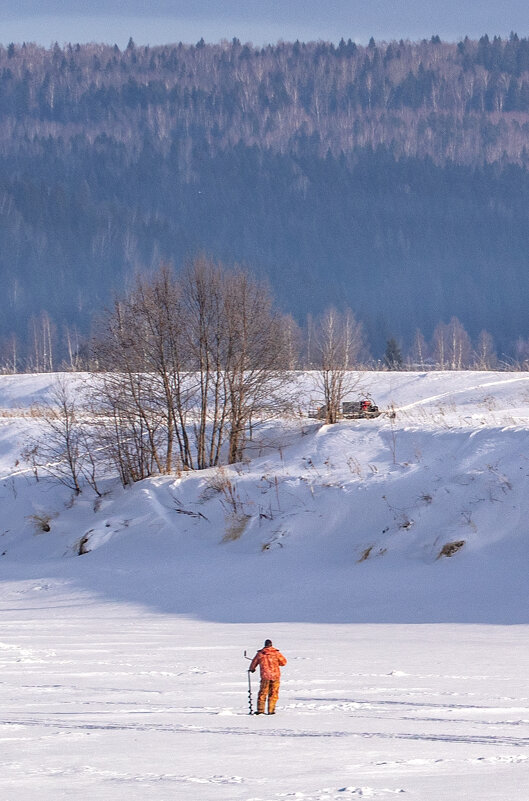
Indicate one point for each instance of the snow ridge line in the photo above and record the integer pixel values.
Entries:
(451, 394)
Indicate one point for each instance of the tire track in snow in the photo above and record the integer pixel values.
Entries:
(461, 391)
(516, 742)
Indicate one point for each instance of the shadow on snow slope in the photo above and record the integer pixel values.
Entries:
(346, 526)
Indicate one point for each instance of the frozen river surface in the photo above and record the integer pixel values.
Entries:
(112, 701)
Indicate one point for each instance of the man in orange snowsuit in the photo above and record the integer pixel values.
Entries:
(270, 660)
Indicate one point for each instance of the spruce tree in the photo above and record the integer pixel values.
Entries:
(392, 355)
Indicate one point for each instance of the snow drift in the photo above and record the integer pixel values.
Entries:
(417, 518)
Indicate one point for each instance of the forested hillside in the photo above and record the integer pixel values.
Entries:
(392, 178)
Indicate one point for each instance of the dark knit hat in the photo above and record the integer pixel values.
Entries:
(267, 643)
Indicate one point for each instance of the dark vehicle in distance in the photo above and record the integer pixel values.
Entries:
(363, 409)
(351, 410)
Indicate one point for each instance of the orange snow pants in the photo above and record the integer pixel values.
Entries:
(269, 688)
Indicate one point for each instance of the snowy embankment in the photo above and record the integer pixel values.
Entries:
(122, 627)
(418, 519)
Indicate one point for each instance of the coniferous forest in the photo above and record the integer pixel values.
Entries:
(392, 179)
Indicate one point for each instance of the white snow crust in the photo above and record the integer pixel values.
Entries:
(122, 670)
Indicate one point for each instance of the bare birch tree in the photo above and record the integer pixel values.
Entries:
(258, 351)
(203, 291)
(460, 348)
(337, 343)
(452, 346)
(419, 350)
(10, 360)
(64, 449)
(439, 346)
(145, 386)
(485, 357)
(72, 343)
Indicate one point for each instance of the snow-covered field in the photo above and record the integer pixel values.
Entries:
(122, 673)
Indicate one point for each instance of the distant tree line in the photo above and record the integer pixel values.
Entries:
(425, 98)
(392, 179)
(202, 301)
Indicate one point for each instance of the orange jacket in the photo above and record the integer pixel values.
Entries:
(269, 660)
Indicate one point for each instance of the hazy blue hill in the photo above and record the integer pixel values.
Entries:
(390, 178)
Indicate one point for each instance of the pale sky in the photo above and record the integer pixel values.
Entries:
(257, 21)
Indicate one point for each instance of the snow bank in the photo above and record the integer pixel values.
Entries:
(421, 518)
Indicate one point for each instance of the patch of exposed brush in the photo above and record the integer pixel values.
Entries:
(369, 552)
(82, 546)
(235, 526)
(42, 523)
(450, 548)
